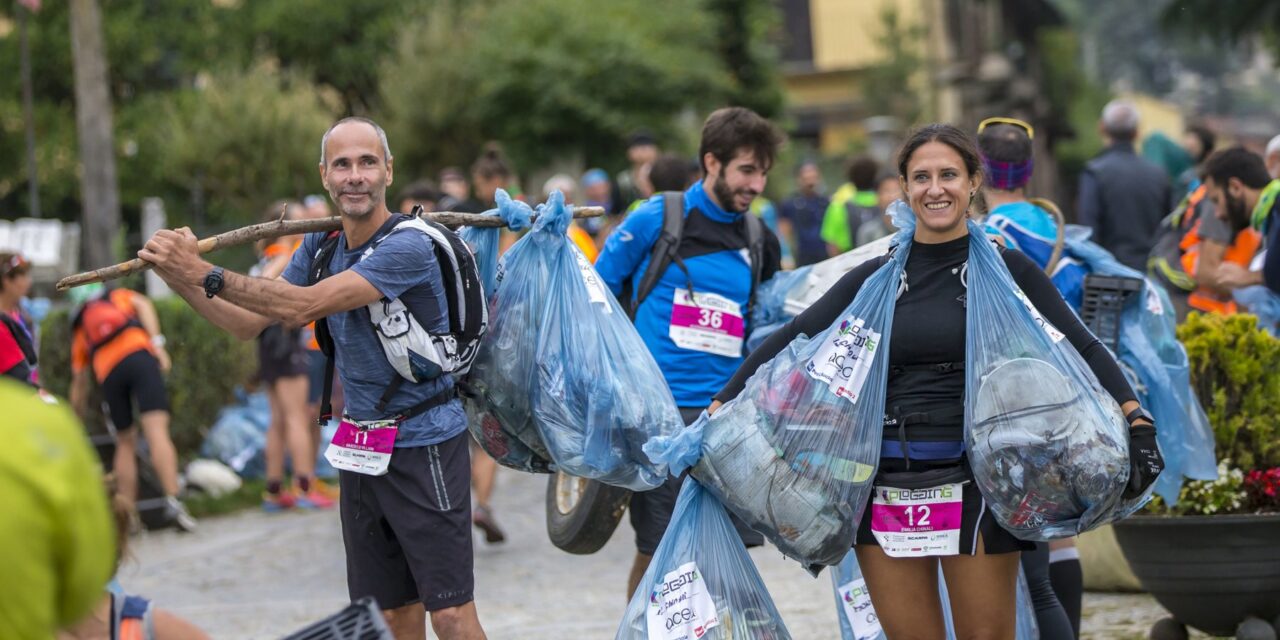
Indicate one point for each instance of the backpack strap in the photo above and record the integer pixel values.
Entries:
(664, 249)
(755, 254)
(318, 271)
(20, 336)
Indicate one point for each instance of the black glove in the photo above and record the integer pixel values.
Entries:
(1145, 461)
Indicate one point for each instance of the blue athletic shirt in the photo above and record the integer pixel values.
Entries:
(1031, 230)
(403, 266)
(713, 249)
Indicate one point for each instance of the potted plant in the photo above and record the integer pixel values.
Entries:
(1213, 560)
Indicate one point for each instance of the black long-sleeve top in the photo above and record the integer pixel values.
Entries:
(929, 327)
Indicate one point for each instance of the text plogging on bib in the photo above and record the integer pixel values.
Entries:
(363, 448)
(707, 322)
(855, 600)
(844, 361)
(680, 607)
(914, 523)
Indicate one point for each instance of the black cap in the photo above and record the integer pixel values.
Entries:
(641, 137)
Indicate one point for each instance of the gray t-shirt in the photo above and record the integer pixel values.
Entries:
(1211, 228)
(403, 266)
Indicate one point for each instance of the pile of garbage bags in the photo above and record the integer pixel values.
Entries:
(238, 438)
(795, 453)
(546, 389)
(1048, 445)
(701, 583)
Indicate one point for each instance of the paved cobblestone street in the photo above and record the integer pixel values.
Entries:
(254, 575)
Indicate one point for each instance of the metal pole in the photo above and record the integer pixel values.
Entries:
(28, 110)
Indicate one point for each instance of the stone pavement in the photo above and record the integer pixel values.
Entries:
(254, 575)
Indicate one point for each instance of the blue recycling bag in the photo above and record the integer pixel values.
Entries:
(598, 394)
(794, 455)
(562, 379)
(857, 616)
(1149, 347)
(1263, 303)
(701, 584)
(1048, 445)
(485, 241)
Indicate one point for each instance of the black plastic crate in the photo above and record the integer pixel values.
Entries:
(1104, 299)
(361, 620)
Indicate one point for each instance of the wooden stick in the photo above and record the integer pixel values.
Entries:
(280, 228)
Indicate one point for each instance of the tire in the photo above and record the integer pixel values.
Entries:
(581, 513)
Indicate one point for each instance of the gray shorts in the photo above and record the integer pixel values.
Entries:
(408, 533)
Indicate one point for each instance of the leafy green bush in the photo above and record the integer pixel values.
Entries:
(1234, 374)
(208, 364)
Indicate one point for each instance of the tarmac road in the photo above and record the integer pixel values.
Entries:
(256, 575)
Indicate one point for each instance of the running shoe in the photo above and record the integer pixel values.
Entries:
(325, 489)
(177, 515)
(482, 518)
(313, 500)
(277, 502)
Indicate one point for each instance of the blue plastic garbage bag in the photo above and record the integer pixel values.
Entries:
(771, 298)
(1263, 303)
(485, 241)
(238, 437)
(857, 616)
(795, 453)
(1149, 347)
(701, 583)
(562, 376)
(1048, 446)
(599, 394)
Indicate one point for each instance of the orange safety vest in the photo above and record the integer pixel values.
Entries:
(1241, 252)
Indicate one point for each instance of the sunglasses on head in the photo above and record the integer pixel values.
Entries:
(12, 264)
(1031, 133)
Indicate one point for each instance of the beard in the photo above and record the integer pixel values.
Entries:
(1237, 213)
(356, 210)
(725, 196)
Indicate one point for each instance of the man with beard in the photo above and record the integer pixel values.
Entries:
(407, 532)
(1246, 196)
(695, 316)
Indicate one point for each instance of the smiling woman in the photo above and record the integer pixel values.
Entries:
(940, 171)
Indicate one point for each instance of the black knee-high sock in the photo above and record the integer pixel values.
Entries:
(1067, 579)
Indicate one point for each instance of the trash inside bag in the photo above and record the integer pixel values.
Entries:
(701, 583)
(1048, 445)
(794, 454)
(562, 378)
(238, 437)
(858, 619)
(1150, 348)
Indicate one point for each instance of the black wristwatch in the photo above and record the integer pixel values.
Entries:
(213, 282)
(1139, 414)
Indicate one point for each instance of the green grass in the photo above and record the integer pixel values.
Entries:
(249, 495)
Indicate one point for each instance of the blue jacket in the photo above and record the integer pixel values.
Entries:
(713, 249)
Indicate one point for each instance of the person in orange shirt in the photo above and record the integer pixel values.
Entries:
(116, 339)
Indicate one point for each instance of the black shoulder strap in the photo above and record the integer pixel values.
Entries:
(755, 254)
(319, 271)
(664, 249)
(20, 336)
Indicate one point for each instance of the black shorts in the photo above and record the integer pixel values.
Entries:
(651, 510)
(975, 517)
(136, 378)
(408, 533)
(280, 354)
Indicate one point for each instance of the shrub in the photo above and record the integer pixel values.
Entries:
(208, 364)
(1234, 374)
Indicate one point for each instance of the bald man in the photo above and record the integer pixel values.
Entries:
(1272, 158)
(1122, 195)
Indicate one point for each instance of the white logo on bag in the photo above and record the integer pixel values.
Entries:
(845, 359)
(1051, 331)
(858, 610)
(680, 608)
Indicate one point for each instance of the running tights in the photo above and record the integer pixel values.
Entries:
(1050, 615)
(1068, 582)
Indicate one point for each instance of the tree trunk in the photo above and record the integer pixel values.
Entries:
(100, 217)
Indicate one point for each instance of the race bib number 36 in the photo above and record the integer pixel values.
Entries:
(707, 322)
(680, 607)
(844, 361)
(856, 601)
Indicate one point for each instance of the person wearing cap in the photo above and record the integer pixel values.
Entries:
(642, 149)
(17, 330)
(597, 192)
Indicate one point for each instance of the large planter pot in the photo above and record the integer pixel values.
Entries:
(1210, 572)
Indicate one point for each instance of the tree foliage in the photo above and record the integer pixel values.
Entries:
(1236, 21)
(888, 88)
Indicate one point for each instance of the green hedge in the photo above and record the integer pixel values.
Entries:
(208, 364)
(1235, 375)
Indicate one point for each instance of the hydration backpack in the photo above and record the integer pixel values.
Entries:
(102, 320)
(415, 353)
